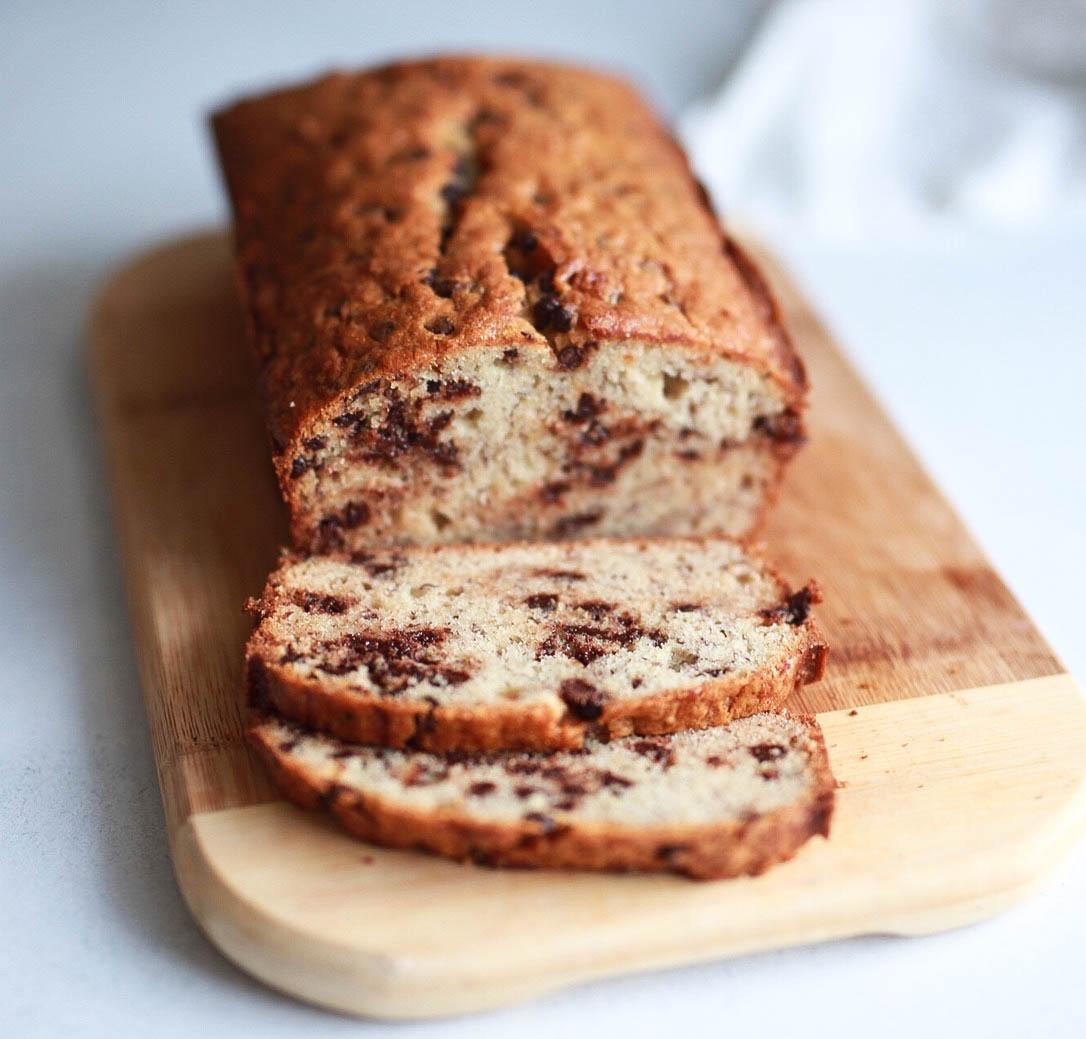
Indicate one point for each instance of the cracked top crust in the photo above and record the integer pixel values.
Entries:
(387, 219)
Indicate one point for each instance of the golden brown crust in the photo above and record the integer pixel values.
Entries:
(378, 217)
(726, 849)
(382, 721)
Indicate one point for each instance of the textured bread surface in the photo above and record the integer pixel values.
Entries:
(490, 302)
(530, 646)
(718, 802)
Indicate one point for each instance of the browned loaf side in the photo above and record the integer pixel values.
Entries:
(530, 646)
(718, 802)
(490, 302)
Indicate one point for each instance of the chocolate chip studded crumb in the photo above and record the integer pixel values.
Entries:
(583, 699)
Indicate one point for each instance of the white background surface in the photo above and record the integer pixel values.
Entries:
(975, 344)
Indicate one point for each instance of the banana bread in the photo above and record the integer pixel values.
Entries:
(530, 646)
(717, 802)
(490, 302)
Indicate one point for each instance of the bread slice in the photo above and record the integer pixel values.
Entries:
(717, 802)
(531, 646)
(490, 302)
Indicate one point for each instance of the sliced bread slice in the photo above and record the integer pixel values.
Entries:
(529, 647)
(718, 802)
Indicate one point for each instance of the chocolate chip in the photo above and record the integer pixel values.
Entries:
(314, 443)
(583, 699)
(329, 534)
(670, 852)
(596, 608)
(767, 752)
(482, 788)
(355, 514)
(570, 357)
(552, 492)
(596, 433)
(441, 325)
(549, 313)
(588, 407)
(656, 750)
(315, 602)
(300, 466)
(609, 778)
(786, 427)
(568, 525)
(794, 609)
(542, 601)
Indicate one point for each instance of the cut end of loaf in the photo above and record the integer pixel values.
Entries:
(720, 802)
(512, 443)
(531, 646)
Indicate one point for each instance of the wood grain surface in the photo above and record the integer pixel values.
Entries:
(960, 743)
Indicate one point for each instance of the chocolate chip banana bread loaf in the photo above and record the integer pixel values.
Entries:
(718, 802)
(483, 647)
(490, 302)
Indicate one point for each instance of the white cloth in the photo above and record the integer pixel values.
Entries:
(859, 122)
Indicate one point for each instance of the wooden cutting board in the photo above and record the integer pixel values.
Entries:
(958, 740)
